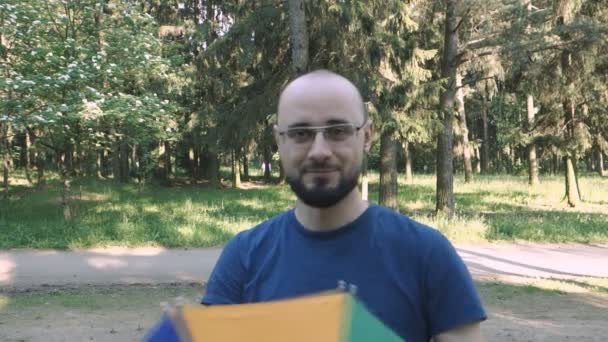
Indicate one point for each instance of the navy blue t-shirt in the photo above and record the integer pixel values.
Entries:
(407, 274)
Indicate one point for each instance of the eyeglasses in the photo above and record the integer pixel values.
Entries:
(332, 133)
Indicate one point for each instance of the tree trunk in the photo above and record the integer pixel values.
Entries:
(105, 161)
(236, 170)
(364, 181)
(245, 168)
(69, 159)
(135, 163)
(298, 36)
(167, 155)
(266, 164)
(194, 157)
(445, 175)
(40, 170)
(532, 163)
(590, 161)
(5, 129)
(485, 144)
(205, 163)
(477, 161)
(572, 193)
(24, 155)
(409, 179)
(191, 161)
(22, 149)
(65, 194)
(124, 162)
(281, 174)
(164, 159)
(116, 161)
(101, 42)
(214, 169)
(555, 164)
(462, 121)
(78, 157)
(5, 170)
(388, 170)
(570, 158)
(99, 164)
(198, 162)
(600, 163)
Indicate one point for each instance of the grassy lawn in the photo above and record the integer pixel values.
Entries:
(493, 208)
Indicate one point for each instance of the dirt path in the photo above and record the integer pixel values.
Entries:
(33, 268)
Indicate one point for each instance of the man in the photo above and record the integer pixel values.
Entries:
(407, 274)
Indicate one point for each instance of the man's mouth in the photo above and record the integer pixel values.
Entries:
(320, 171)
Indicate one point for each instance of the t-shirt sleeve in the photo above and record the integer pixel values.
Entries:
(452, 299)
(226, 283)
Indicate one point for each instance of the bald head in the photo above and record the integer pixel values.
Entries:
(322, 90)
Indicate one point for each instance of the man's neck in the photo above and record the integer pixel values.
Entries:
(326, 219)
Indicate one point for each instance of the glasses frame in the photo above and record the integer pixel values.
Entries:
(323, 130)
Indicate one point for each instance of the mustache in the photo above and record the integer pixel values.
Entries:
(313, 167)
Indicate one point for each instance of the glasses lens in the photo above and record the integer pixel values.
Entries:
(300, 135)
(339, 132)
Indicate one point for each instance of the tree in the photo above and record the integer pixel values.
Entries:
(532, 163)
(298, 39)
(445, 177)
(374, 43)
(463, 130)
(298, 34)
(74, 95)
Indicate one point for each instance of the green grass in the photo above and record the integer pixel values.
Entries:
(94, 298)
(493, 208)
(505, 208)
(496, 292)
(132, 296)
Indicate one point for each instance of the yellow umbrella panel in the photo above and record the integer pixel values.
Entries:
(334, 316)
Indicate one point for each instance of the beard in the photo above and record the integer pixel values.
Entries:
(320, 195)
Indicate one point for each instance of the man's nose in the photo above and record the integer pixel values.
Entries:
(320, 148)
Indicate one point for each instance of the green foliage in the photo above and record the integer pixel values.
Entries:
(86, 72)
(83, 77)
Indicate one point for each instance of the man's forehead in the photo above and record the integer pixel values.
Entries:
(319, 83)
(321, 97)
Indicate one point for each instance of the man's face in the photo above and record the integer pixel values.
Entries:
(322, 138)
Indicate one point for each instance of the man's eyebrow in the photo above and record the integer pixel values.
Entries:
(336, 122)
(327, 123)
(299, 124)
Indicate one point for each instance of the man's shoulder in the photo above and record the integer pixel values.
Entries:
(391, 222)
(264, 230)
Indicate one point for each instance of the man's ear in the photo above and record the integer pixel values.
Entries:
(368, 135)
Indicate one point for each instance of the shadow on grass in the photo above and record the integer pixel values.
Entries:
(487, 201)
(407, 192)
(201, 215)
(506, 216)
(109, 214)
(547, 226)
